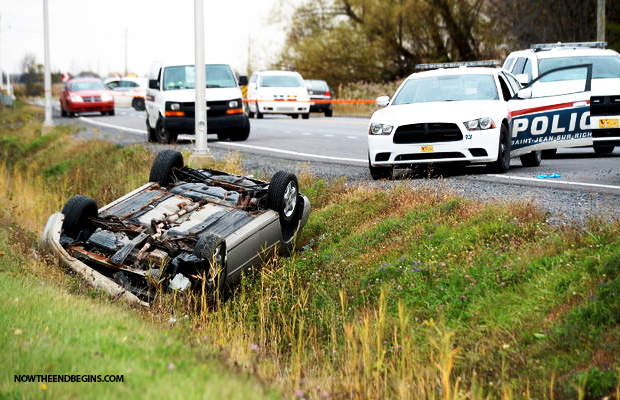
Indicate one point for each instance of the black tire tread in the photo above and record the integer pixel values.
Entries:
(161, 170)
(77, 212)
(275, 193)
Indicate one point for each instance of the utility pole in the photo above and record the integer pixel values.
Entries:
(125, 51)
(201, 157)
(47, 123)
(600, 21)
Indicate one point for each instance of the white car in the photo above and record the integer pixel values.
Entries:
(128, 91)
(475, 115)
(278, 92)
(529, 64)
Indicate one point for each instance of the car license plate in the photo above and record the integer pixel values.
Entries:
(608, 123)
(427, 149)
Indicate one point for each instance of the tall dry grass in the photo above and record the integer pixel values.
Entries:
(362, 91)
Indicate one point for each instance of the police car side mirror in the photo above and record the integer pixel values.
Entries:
(243, 80)
(525, 93)
(153, 84)
(523, 79)
(383, 101)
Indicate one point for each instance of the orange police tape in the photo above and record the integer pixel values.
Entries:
(343, 101)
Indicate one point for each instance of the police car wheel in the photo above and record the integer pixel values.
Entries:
(604, 149)
(531, 159)
(502, 164)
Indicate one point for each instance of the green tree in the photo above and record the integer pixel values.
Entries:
(32, 75)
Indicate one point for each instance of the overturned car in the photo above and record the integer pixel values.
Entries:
(186, 227)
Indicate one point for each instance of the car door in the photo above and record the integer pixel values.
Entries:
(553, 111)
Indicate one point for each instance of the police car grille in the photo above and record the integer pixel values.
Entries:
(91, 99)
(427, 133)
(604, 105)
(429, 156)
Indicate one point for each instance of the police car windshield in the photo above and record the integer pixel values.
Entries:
(447, 88)
(602, 66)
(184, 77)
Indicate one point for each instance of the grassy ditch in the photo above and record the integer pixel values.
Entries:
(394, 293)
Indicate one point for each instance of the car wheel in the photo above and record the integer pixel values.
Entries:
(78, 212)
(282, 195)
(306, 115)
(63, 113)
(138, 104)
(502, 164)
(240, 135)
(549, 153)
(71, 114)
(222, 136)
(162, 170)
(259, 115)
(104, 113)
(211, 248)
(111, 112)
(152, 137)
(329, 112)
(295, 116)
(163, 135)
(531, 159)
(603, 149)
(250, 113)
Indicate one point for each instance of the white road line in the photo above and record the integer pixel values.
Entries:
(306, 134)
(328, 135)
(294, 153)
(352, 137)
(121, 128)
(522, 178)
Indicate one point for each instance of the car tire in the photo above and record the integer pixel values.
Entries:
(329, 112)
(250, 113)
(104, 113)
(241, 134)
(379, 172)
(295, 116)
(211, 248)
(259, 115)
(531, 159)
(306, 115)
(604, 149)
(549, 153)
(78, 212)
(282, 195)
(71, 114)
(138, 104)
(63, 112)
(502, 164)
(151, 136)
(162, 170)
(223, 136)
(163, 135)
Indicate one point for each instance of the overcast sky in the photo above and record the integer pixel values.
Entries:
(90, 35)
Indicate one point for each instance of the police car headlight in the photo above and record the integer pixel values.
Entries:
(479, 124)
(175, 106)
(233, 104)
(380, 129)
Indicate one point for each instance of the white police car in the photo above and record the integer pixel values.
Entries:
(477, 115)
(444, 115)
(528, 64)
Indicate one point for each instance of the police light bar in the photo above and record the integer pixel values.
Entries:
(544, 46)
(487, 63)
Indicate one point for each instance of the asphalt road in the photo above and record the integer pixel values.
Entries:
(336, 147)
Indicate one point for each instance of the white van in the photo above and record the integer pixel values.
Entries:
(170, 100)
(278, 92)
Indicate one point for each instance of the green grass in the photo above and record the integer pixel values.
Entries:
(394, 293)
(46, 329)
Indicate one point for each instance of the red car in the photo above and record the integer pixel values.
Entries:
(85, 95)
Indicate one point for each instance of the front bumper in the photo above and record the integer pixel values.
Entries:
(283, 107)
(90, 106)
(482, 147)
(214, 124)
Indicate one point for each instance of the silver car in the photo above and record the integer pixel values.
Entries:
(186, 228)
